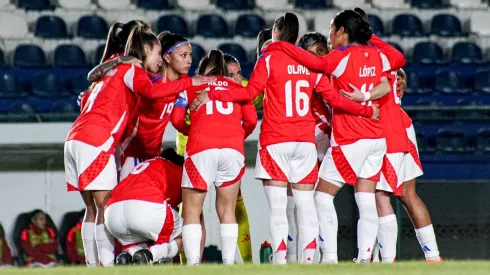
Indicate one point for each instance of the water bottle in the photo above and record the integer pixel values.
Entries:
(266, 253)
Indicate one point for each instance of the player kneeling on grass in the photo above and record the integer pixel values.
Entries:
(139, 212)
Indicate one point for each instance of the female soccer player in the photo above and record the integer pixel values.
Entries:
(213, 157)
(90, 165)
(287, 151)
(358, 146)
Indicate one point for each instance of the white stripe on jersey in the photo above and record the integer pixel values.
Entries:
(267, 64)
(386, 63)
(129, 78)
(340, 69)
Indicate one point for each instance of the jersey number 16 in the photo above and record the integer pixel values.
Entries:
(301, 99)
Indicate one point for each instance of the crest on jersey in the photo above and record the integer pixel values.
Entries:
(366, 54)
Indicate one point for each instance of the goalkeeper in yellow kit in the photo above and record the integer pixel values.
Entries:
(244, 243)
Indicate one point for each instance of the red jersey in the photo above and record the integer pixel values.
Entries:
(155, 180)
(111, 101)
(218, 124)
(288, 90)
(407, 121)
(321, 114)
(358, 65)
(144, 134)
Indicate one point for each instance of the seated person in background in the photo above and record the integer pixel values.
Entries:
(74, 244)
(5, 252)
(39, 242)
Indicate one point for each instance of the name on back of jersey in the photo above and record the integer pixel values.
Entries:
(218, 83)
(298, 69)
(367, 71)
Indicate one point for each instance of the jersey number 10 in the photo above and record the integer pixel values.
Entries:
(219, 107)
(301, 99)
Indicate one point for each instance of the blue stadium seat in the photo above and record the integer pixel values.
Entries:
(398, 47)
(467, 52)
(422, 143)
(47, 85)
(249, 25)
(21, 108)
(99, 52)
(235, 4)
(450, 82)
(10, 86)
(92, 27)
(236, 50)
(427, 4)
(407, 25)
(63, 107)
(212, 25)
(483, 140)
(482, 81)
(80, 84)
(69, 56)
(446, 25)
(450, 141)
(173, 23)
(427, 53)
(377, 25)
(310, 4)
(35, 5)
(155, 4)
(415, 84)
(197, 54)
(26, 55)
(2, 59)
(51, 27)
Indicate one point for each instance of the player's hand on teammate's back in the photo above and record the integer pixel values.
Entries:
(202, 99)
(375, 112)
(130, 60)
(355, 95)
(199, 80)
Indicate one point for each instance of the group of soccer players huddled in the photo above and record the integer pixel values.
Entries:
(331, 116)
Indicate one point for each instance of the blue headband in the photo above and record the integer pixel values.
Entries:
(175, 47)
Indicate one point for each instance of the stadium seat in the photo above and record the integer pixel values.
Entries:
(483, 140)
(13, 26)
(450, 82)
(194, 5)
(468, 4)
(422, 143)
(51, 27)
(449, 140)
(310, 4)
(249, 25)
(446, 25)
(407, 25)
(415, 84)
(236, 50)
(212, 25)
(114, 4)
(173, 23)
(37, 5)
(80, 84)
(377, 25)
(427, 53)
(389, 4)
(273, 5)
(482, 81)
(75, 5)
(427, 4)
(479, 22)
(92, 27)
(467, 52)
(235, 4)
(29, 56)
(155, 4)
(47, 85)
(197, 54)
(69, 56)
(10, 86)
(63, 107)
(68, 221)
(2, 59)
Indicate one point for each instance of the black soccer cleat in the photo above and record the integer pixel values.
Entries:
(124, 259)
(143, 257)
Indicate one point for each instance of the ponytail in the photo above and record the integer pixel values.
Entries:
(137, 40)
(354, 25)
(288, 27)
(213, 64)
(118, 36)
(263, 36)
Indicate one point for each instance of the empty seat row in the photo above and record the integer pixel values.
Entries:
(454, 141)
(410, 25)
(429, 53)
(449, 82)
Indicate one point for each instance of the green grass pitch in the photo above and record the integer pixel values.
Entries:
(408, 268)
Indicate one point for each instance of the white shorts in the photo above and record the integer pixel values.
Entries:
(127, 165)
(412, 164)
(346, 163)
(322, 145)
(89, 168)
(221, 167)
(392, 174)
(134, 221)
(293, 162)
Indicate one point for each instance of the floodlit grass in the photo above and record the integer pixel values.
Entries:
(447, 268)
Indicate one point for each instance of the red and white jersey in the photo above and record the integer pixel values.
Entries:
(155, 180)
(407, 121)
(216, 125)
(288, 87)
(144, 133)
(322, 115)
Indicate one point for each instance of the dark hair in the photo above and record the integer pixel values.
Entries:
(362, 13)
(137, 41)
(172, 156)
(118, 36)
(230, 59)
(213, 64)
(288, 27)
(262, 37)
(168, 40)
(36, 212)
(312, 38)
(354, 25)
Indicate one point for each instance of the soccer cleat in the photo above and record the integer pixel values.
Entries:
(440, 261)
(143, 257)
(362, 261)
(124, 259)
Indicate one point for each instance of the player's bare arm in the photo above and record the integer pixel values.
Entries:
(375, 93)
(100, 70)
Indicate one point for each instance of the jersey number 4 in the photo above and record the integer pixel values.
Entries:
(301, 99)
